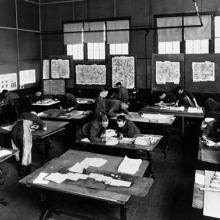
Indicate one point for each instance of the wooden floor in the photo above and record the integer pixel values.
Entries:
(169, 199)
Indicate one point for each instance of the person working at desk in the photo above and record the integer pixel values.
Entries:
(100, 103)
(121, 94)
(21, 138)
(68, 101)
(126, 128)
(94, 130)
(38, 96)
(115, 107)
(8, 103)
(164, 99)
(184, 98)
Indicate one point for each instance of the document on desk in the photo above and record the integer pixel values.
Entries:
(87, 162)
(129, 166)
(56, 177)
(212, 198)
(4, 153)
(40, 179)
(8, 127)
(195, 110)
(112, 141)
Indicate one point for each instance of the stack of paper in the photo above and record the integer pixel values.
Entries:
(56, 177)
(195, 110)
(87, 162)
(110, 133)
(112, 141)
(4, 153)
(8, 127)
(129, 166)
(125, 140)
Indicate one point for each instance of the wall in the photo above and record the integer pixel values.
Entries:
(19, 37)
(140, 11)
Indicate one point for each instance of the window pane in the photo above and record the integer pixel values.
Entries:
(217, 26)
(169, 47)
(197, 46)
(76, 50)
(119, 48)
(96, 51)
(217, 45)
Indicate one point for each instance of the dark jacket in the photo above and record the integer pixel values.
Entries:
(100, 107)
(91, 130)
(129, 129)
(113, 107)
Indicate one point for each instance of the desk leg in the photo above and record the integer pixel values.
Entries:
(183, 125)
(45, 212)
(123, 212)
(149, 156)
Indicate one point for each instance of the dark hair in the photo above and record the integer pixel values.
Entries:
(103, 117)
(177, 88)
(118, 84)
(4, 92)
(121, 118)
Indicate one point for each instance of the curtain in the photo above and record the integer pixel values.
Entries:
(73, 38)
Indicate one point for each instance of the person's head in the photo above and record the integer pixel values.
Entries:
(103, 120)
(4, 93)
(162, 96)
(121, 121)
(118, 85)
(179, 90)
(124, 106)
(38, 93)
(103, 93)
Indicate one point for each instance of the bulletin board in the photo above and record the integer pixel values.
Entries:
(202, 73)
(167, 71)
(123, 69)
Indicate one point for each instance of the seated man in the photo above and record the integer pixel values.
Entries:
(126, 128)
(100, 103)
(115, 107)
(38, 96)
(121, 94)
(68, 101)
(184, 98)
(94, 130)
(212, 106)
(9, 102)
(165, 99)
(21, 138)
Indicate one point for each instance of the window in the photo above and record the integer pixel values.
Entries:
(75, 50)
(172, 47)
(217, 34)
(118, 49)
(96, 51)
(197, 46)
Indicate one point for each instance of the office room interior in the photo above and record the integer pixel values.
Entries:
(109, 109)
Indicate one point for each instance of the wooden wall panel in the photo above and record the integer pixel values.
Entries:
(7, 13)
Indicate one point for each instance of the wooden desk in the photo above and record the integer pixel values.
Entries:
(67, 160)
(146, 149)
(61, 115)
(45, 104)
(198, 195)
(13, 152)
(176, 111)
(40, 136)
(85, 103)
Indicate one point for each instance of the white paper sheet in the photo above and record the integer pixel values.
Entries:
(8, 127)
(56, 177)
(129, 166)
(40, 179)
(4, 153)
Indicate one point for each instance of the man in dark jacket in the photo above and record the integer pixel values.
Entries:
(115, 107)
(94, 130)
(121, 94)
(126, 128)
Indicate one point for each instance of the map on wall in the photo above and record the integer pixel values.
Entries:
(8, 81)
(203, 71)
(167, 72)
(91, 74)
(27, 77)
(46, 70)
(60, 68)
(123, 70)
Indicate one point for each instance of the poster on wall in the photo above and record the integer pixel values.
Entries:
(91, 74)
(8, 81)
(203, 71)
(46, 70)
(27, 77)
(60, 68)
(123, 70)
(167, 72)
